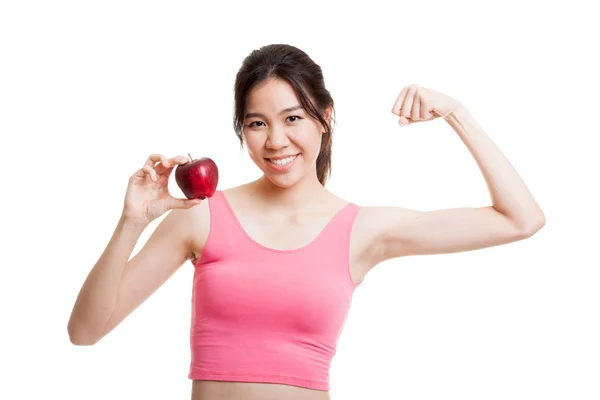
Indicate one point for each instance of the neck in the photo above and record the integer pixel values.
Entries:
(306, 193)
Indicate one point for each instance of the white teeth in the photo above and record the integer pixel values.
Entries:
(283, 161)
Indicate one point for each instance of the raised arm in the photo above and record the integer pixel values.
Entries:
(513, 215)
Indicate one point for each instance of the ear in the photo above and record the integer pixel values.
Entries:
(327, 115)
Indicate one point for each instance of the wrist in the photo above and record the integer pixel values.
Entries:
(132, 224)
(458, 117)
(459, 111)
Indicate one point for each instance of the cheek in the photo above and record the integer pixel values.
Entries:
(252, 143)
(314, 142)
(253, 155)
(254, 149)
(307, 139)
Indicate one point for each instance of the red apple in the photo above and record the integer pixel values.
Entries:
(198, 178)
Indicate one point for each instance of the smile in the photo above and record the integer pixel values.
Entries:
(283, 161)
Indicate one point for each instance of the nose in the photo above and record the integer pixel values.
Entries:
(277, 139)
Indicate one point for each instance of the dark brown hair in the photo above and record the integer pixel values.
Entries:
(303, 74)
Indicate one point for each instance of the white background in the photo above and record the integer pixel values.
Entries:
(89, 89)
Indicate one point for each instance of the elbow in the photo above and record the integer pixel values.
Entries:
(538, 223)
(532, 228)
(80, 337)
(528, 225)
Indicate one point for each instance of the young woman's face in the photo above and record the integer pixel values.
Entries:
(277, 126)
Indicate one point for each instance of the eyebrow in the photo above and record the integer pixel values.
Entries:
(250, 115)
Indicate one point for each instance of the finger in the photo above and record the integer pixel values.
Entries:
(405, 121)
(172, 162)
(157, 158)
(415, 114)
(164, 161)
(183, 203)
(139, 173)
(161, 168)
(153, 159)
(150, 171)
(399, 101)
(183, 159)
(425, 113)
(179, 160)
(151, 162)
(167, 173)
(164, 166)
(167, 165)
(408, 102)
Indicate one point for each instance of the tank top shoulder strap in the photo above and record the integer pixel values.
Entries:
(218, 206)
(337, 231)
(223, 232)
(334, 243)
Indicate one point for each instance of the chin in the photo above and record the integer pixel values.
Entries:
(282, 181)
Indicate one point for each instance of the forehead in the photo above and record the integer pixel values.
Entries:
(271, 95)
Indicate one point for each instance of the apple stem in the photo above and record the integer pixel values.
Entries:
(191, 159)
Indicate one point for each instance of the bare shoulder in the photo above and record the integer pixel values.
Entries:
(242, 191)
(198, 221)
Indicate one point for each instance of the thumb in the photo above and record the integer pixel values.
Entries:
(403, 121)
(183, 203)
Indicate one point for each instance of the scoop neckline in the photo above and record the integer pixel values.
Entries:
(273, 250)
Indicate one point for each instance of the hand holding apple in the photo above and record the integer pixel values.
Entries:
(147, 196)
(197, 178)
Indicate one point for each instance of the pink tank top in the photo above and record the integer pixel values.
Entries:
(268, 315)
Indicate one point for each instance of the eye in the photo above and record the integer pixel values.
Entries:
(297, 117)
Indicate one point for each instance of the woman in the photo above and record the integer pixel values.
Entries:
(277, 259)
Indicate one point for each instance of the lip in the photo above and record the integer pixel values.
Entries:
(281, 157)
(282, 168)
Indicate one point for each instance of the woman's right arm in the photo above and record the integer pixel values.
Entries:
(116, 286)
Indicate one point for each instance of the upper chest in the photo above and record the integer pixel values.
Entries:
(283, 233)
(293, 232)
